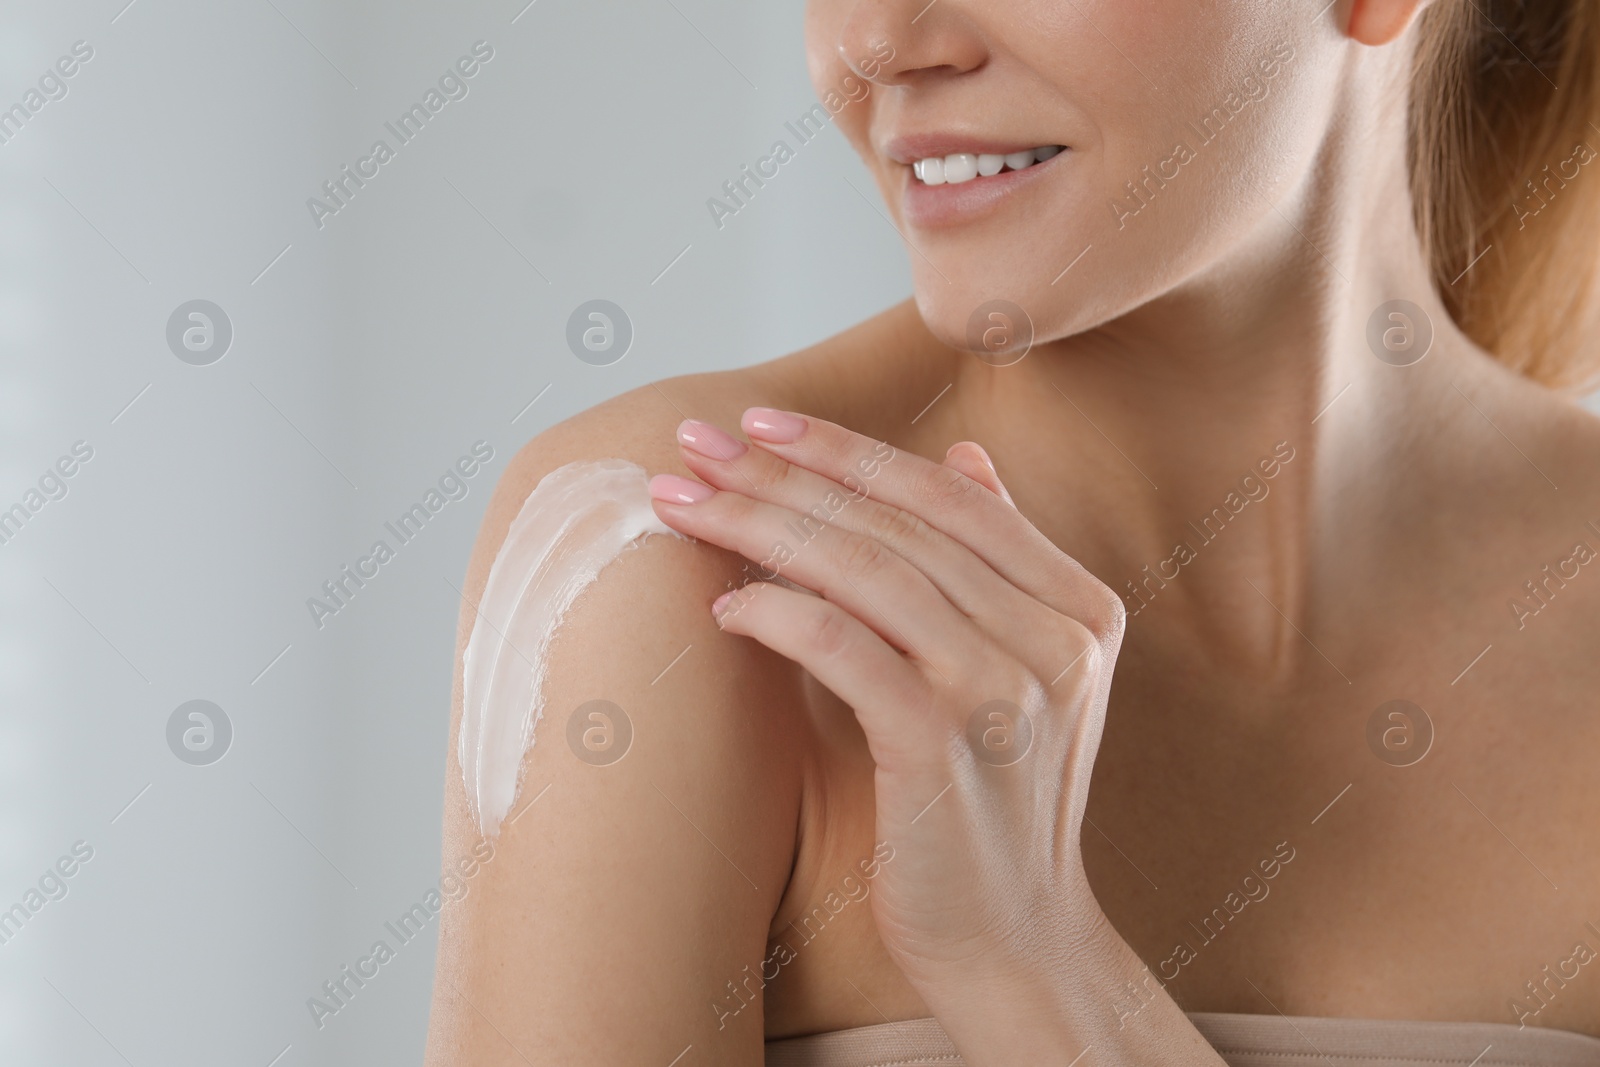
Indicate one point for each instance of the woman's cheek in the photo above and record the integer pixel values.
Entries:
(824, 23)
(855, 122)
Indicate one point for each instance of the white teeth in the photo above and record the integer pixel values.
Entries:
(964, 166)
(961, 167)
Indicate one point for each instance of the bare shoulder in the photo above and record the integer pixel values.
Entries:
(1525, 514)
(650, 840)
(1560, 588)
(637, 427)
(1556, 433)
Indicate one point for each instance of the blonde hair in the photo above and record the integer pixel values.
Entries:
(1505, 165)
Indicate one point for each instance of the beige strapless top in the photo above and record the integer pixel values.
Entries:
(1243, 1041)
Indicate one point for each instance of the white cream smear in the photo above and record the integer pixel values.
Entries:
(576, 521)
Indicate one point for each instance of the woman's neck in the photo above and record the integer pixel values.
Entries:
(1147, 433)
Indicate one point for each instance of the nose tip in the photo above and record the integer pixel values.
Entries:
(867, 63)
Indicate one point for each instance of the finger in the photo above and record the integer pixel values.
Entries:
(970, 459)
(860, 574)
(889, 695)
(950, 502)
(1016, 619)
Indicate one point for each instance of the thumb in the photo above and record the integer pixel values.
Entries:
(970, 459)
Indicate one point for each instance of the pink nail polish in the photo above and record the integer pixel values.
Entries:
(675, 490)
(722, 602)
(710, 441)
(770, 424)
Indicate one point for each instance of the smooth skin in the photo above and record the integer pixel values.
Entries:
(943, 613)
(1195, 735)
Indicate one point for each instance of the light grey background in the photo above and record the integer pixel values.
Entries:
(368, 356)
(365, 361)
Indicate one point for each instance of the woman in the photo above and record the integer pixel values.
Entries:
(1220, 458)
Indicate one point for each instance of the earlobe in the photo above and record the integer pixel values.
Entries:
(1379, 22)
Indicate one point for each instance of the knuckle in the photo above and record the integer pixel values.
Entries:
(943, 490)
(1116, 618)
(827, 632)
(895, 526)
(1108, 614)
(771, 478)
(858, 556)
(1080, 642)
(1059, 586)
(738, 510)
(1072, 588)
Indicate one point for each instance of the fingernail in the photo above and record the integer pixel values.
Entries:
(982, 455)
(675, 490)
(710, 441)
(722, 602)
(770, 424)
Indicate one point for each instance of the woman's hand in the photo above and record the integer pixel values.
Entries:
(977, 657)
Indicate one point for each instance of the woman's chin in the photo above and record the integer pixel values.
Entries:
(994, 328)
(940, 319)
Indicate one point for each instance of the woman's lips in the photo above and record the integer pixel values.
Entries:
(934, 206)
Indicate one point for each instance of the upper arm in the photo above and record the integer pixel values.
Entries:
(617, 907)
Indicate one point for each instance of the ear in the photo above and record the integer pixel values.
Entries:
(1378, 22)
